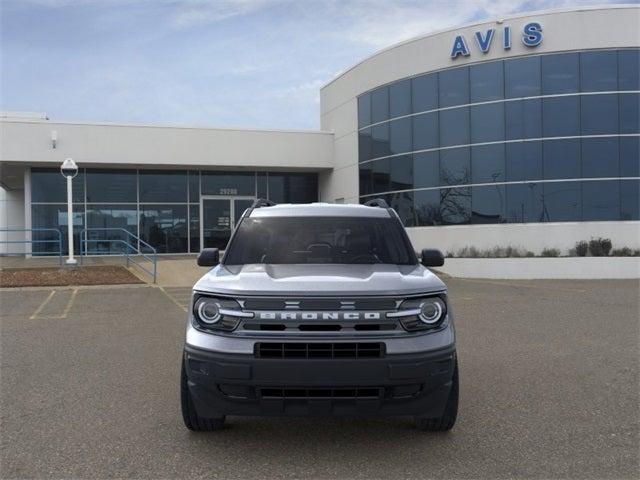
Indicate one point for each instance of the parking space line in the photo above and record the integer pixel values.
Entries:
(170, 297)
(42, 305)
(37, 315)
(69, 304)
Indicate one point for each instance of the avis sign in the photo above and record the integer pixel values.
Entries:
(531, 37)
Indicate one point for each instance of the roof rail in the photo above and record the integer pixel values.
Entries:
(262, 202)
(376, 202)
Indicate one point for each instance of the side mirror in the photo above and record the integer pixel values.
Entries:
(432, 258)
(209, 257)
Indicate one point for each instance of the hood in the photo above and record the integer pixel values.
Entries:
(330, 280)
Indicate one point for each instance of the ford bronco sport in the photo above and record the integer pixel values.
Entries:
(319, 309)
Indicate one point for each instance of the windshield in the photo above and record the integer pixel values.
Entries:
(314, 240)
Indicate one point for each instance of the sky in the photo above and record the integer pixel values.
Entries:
(219, 63)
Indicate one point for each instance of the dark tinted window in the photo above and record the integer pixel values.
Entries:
(560, 73)
(454, 127)
(365, 144)
(381, 175)
(523, 161)
(400, 98)
(364, 110)
(427, 207)
(380, 105)
(402, 203)
(600, 157)
(599, 114)
(366, 187)
(293, 187)
(487, 123)
(48, 185)
(630, 156)
(401, 172)
(424, 92)
(262, 185)
(561, 116)
(523, 119)
(426, 169)
(163, 186)
(194, 186)
(453, 87)
(425, 131)
(455, 205)
(380, 141)
(194, 226)
(53, 216)
(598, 71)
(115, 218)
(562, 202)
(487, 164)
(315, 240)
(630, 199)
(487, 81)
(561, 159)
(629, 69)
(117, 186)
(400, 135)
(165, 227)
(522, 77)
(601, 200)
(228, 183)
(524, 203)
(629, 113)
(488, 204)
(455, 167)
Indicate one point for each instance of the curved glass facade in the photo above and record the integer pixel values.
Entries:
(541, 138)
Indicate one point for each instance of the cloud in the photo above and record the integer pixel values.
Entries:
(191, 13)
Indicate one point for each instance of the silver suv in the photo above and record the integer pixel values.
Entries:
(319, 309)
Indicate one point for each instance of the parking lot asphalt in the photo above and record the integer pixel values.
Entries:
(549, 389)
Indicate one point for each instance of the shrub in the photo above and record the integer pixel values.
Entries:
(582, 248)
(550, 252)
(600, 247)
(625, 252)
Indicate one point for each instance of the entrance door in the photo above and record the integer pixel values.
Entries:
(218, 218)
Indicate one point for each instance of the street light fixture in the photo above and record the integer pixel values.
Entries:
(69, 169)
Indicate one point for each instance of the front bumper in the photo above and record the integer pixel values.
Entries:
(223, 383)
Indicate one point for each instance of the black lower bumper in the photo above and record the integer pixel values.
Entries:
(232, 384)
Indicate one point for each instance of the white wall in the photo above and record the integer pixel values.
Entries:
(11, 216)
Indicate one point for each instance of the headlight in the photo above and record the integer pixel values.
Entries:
(208, 310)
(421, 313)
(432, 310)
(213, 313)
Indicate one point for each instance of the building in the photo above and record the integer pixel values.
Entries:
(522, 131)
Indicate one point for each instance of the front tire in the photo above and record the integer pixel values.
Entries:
(191, 418)
(448, 418)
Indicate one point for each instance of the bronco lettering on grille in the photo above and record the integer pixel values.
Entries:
(319, 315)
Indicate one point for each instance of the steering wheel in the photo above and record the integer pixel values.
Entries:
(319, 244)
(364, 256)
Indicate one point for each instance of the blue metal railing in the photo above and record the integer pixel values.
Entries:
(128, 250)
(31, 240)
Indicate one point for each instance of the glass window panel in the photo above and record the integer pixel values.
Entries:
(426, 206)
(523, 119)
(163, 186)
(364, 110)
(487, 164)
(560, 73)
(401, 172)
(425, 131)
(426, 169)
(599, 114)
(228, 183)
(380, 105)
(424, 92)
(455, 166)
(402, 203)
(523, 161)
(165, 227)
(400, 98)
(380, 141)
(561, 159)
(400, 135)
(488, 204)
(561, 116)
(487, 81)
(453, 87)
(629, 113)
(112, 186)
(49, 186)
(630, 199)
(194, 186)
(630, 156)
(365, 144)
(455, 205)
(524, 203)
(194, 227)
(601, 200)
(366, 186)
(454, 127)
(293, 187)
(380, 174)
(53, 216)
(261, 185)
(562, 202)
(599, 71)
(600, 157)
(522, 77)
(629, 69)
(487, 123)
(115, 218)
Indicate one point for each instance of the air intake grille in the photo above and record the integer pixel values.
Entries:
(332, 393)
(319, 350)
(315, 304)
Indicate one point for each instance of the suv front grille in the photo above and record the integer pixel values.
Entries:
(319, 350)
(314, 304)
(332, 393)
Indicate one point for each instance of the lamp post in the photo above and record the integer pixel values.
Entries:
(69, 169)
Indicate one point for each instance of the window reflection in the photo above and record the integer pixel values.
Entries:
(426, 169)
(598, 71)
(455, 205)
(455, 166)
(165, 227)
(523, 161)
(49, 186)
(601, 200)
(427, 207)
(55, 217)
(561, 116)
(599, 114)
(600, 157)
(522, 77)
(111, 221)
(400, 99)
(454, 127)
(163, 186)
(401, 172)
(453, 87)
(630, 199)
(380, 105)
(112, 186)
(425, 131)
(400, 135)
(562, 202)
(424, 92)
(561, 159)
(630, 156)
(487, 81)
(523, 119)
(364, 145)
(524, 203)
(629, 113)
(488, 204)
(364, 110)
(560, 73)
(380, 141)
(487, 164)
